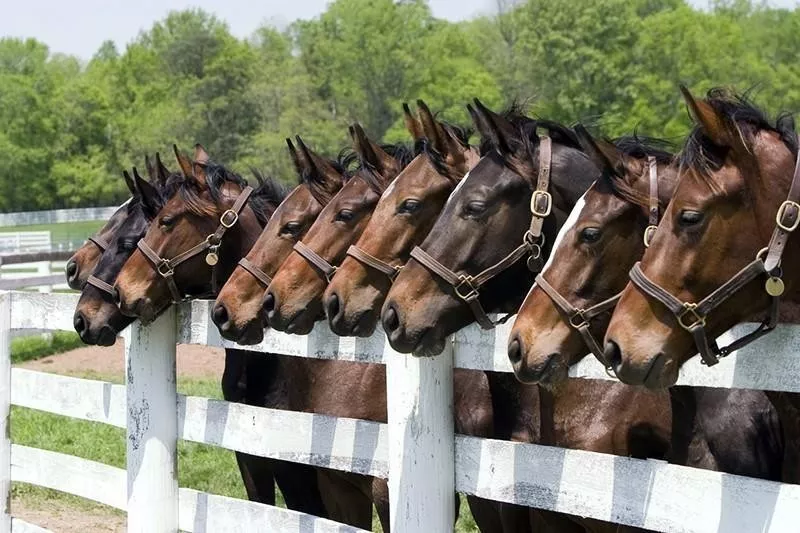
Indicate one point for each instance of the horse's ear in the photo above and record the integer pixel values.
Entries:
(161, 171)
(183, 162)
(200, 154)
(497, 128)
(151, 200)
(433, 130)
(413, 125)
(129, 182)
(711, 122)
(298, 165)
(151, 169)
(603, 154)
(321, 173)
(370, 153)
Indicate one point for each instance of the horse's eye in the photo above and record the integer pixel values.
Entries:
(590, 235)
(689, 218)
(167, 221)
(345, 215)
(292, 228)
(410, 206)
(475, 209)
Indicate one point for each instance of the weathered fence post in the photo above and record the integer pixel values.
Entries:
(5, 411)
(152, 426)
(421, 442)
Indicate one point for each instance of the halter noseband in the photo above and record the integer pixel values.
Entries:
(467, 287)
(391, 271)
(99, 242)
(253, 269)
(166, 267)
(692, 316)
(580, 319)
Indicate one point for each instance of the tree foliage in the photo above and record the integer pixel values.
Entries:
(68, 127)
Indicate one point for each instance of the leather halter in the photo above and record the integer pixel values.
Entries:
(253, 269)
(101, 285)
(692, 316)
(466, 287)
(320, 264)
(366, 259)
(99, 242)
(580, 319)
(166, 267)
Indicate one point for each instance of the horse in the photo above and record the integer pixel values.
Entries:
(737, 170)
(237, 311)
(293, 300)
(404, 215)
(568, 309)
(479, 232)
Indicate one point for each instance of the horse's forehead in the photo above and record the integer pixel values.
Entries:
(572, 219)
(412, 174)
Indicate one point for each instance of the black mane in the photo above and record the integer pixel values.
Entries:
(322, 191)
(528, 130)
(701, 153)
(402, 153)
(638, 147)
(424, 146)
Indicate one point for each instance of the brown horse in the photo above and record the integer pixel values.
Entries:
(237, 311)
(293, 301)
(729, 430)
(402, 218)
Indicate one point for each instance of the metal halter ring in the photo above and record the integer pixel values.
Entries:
(329, 275)
(579, 315)
(782, 212)
(465, 281)
(169, 270)
(689, 309)
(229, 213)
(648, 235)
(548, 203)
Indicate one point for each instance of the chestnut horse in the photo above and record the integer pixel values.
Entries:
(493, 202)
(736, 173)
(402, 218)
(720, 429)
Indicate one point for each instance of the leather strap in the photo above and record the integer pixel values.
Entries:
(166, 267)
(466, 287)
(319, 263)
(652, 214)
(99, 242)
(786, 221)
(366, 259)
(580, 319)
(102, 286)
(253, 269)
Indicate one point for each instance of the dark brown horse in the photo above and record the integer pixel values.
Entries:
(403, 217)
(293, 301)
(238, 309)
(730, 430)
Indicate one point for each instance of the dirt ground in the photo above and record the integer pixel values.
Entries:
(199, 362)
(60, 517)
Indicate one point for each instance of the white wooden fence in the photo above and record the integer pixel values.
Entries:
(417, 449)
(25, 241)
(56, 216)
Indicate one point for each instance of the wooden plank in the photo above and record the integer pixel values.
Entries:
(31, 281)
(340, 443)
(152, 426)
(86, 399)
(21, 526)
(421, 440)
(5, 411)
(201, 512)
(650, 494)
(32, 257)
(43, 311)
(88, 479)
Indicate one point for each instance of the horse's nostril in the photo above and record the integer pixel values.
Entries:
(269, 303)
(117, 296)
(515, 350)
(332, 305)
(80, 323)
(613, 355)
(390, 320)
(72, 269)
(219, 315)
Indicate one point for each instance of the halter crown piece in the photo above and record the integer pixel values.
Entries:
(580, 319)
(692, 316)
(466, 287)
(166, 267)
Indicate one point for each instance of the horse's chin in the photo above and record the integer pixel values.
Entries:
(430, 345)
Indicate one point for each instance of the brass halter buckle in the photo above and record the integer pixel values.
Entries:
(649, 231)
(165, 269)
(689, 309)
(548, 201)
(782, 213)
(465, 282)
(576, 317)
(227, 222)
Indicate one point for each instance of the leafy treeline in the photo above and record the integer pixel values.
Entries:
(68, 127)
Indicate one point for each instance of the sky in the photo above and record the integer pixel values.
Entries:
(78, 27)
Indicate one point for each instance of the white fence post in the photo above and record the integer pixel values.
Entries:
(5, 412)
(43, 269)
(152, 426)
(421, 442)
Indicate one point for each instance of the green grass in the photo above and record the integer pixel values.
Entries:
(38, 346)
(68, 231)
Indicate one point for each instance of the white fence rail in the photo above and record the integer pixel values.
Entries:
(25, 241)
(417, 450)
(56, 216)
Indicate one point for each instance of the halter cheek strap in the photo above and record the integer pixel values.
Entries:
(692, 316)
(166, 267)
(466, 287)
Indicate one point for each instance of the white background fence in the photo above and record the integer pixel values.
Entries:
(56, 216)
(417, 450)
